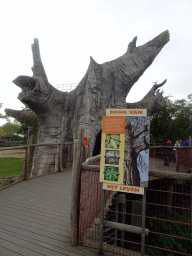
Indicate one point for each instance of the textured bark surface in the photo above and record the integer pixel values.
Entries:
(103, 86)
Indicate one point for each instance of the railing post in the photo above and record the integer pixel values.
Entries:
(191, 182)
(190, 152)
(78, 155)
(27, 160)
(155, 148)
(177, 159)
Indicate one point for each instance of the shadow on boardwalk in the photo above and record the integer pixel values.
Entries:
(35, 218)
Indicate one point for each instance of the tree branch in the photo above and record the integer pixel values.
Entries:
(153, 101)
(153, 89)
(132, 45)
(124, 71)
(144, 129)
(38, 69)
(29, 118)
(143, 146)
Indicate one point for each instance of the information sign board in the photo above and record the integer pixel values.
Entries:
(125, 149)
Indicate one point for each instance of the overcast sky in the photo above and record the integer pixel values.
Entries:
(70, 31)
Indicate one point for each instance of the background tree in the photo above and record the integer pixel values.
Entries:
(161, 124)
(29, 123)
(1, 115)
(9, 129)
(173, 122)
(1, 104)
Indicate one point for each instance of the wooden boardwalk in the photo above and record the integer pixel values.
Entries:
(35, 218)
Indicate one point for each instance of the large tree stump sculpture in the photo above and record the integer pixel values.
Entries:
(103, 86)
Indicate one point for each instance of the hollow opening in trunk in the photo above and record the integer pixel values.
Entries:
(97, 147)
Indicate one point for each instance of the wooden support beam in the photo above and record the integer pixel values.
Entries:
(16, 147)
(37, 145)
(92, 159)
(122, 227)
(52, 144)
(170, 175)
(76, 175)
(152, 172)
(94, 168)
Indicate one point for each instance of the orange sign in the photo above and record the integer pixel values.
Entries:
(126, 112)
(123, 188)
(113, 125)
(85, 141)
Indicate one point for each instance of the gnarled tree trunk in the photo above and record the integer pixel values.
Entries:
(103, 86)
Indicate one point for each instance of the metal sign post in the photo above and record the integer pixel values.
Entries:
(143, 224)
(101, 222)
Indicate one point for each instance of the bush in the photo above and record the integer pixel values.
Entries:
(173, 233)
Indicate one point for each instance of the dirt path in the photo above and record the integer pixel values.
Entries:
(18, 153)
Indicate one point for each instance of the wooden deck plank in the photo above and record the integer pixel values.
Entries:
(39, 246)
(5, 244)
(30, 240)
(35, 218)
(34, 235)
(46, 219)
(13, 221)
(50, 244)
(6, 252)
(28, 205)
(12, 224)
(41, 210)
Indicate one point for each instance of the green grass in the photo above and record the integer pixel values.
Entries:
(11, 166)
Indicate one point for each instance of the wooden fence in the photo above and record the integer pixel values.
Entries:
(26, 152)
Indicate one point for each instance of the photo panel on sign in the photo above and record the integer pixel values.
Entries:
(111, 173)
(112, 157)
(112, 141)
